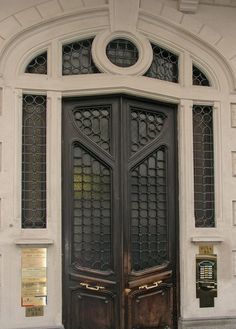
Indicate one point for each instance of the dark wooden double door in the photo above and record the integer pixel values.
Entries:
(119, 213)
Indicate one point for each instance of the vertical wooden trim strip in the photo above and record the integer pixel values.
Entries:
(0, 222)
(233, 153)
(233, 115)
(0, 101)
(0, 156)
(234, 212)
(234, 262)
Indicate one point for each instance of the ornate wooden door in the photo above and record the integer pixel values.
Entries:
(119, 213)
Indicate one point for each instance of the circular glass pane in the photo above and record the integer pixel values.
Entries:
(122, 52)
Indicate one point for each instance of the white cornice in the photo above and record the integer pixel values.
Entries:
(188, 6)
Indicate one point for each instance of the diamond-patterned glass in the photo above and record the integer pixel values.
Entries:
(38, 65)
(92, 241)
(34, 162)
(203, 153)
(122, 52)
(199, 78)
(145, 127)
(164, 65)
(95, 123)
(149, 229)
(77, 58)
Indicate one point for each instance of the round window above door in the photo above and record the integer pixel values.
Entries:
(122, 53)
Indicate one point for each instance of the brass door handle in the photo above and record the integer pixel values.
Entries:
(87, 286)
(154, 285)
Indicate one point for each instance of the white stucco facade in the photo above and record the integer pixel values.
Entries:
(206, 38)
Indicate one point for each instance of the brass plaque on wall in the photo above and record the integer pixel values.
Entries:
(33, 277)
(206, 249)
(34, 257)
(34, 311)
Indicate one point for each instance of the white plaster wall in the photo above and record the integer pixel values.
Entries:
(45, 25)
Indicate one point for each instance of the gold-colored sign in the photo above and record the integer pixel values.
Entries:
(34, 257)
(34, 311)
(34, 301)
(30, 275)
(33, 289)
(34, 277)
(206, 249)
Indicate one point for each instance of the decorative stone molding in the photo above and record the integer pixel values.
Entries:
(217, 323)
(223, 3)
(103, 63)
(188, 6)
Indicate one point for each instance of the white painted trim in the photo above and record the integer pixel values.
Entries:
(186, 219)
(18, 156)
(213, 239)
(217, 148)
(33, 242)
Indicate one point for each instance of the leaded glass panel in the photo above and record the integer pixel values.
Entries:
(203, 152)
(122, 52)
(77, 58)
(164, 65)
(34, 162)
(145, 127)
(38, 65)
(199, 78)
(92, 211)
(149, 228)
(95, 122)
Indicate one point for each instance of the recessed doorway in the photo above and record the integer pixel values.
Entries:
(119, 213)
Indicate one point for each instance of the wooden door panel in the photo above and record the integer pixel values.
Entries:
(151, 309)
(119, 213)
(91, 309)
(90, 214)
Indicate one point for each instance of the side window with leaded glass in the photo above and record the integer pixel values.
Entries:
(38, 65)
(203, 155)
(164, 65)
(34, 162)
(199, 78)
(77, 58)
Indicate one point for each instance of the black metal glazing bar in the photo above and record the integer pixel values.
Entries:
(203, 153)
(34, 162)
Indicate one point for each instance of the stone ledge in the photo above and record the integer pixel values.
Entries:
(212, 323)
(43, 327)
(207, 239)
(31, 242)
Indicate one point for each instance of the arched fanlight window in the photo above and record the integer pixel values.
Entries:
(199, 78)
(164, 65)
(77, 58)
(38, 64)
